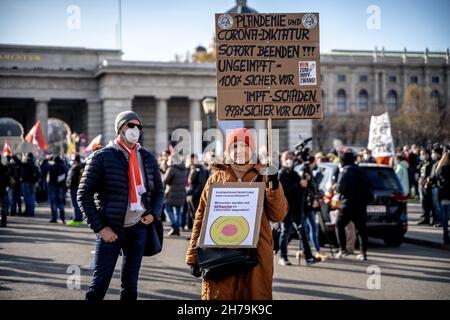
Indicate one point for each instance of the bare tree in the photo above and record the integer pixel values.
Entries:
(421, 118)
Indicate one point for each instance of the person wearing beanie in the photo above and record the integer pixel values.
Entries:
(256, 282)
(121, 195)
(355, 192)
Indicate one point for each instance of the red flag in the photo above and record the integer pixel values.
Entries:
(36, 137)
(95, 142)
(7, 151)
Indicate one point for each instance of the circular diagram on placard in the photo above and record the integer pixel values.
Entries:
(229, 230)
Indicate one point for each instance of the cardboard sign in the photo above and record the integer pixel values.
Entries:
(268, 66)
(233, 215)
(380, 138)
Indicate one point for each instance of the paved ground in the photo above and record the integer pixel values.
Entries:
(422, 234)
(35, 257)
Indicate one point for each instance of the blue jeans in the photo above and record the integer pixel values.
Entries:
(76, 209)
(28, 191)
(436, 204)
(286, 227)
(132, 243)
(57, 198)
(313, 231)
(175, 218)
(14, 200)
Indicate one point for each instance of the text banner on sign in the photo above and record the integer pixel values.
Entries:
(268, 66)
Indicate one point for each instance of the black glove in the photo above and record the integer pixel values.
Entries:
(195, 270)
(272, 181)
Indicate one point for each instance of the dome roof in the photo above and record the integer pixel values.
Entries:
(241, 7)
(200, 48)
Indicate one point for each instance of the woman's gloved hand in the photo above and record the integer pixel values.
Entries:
(272, 181)
(195, 270)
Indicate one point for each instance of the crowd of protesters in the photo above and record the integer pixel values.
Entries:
(28, 180)
(171, 187)
(422, 172)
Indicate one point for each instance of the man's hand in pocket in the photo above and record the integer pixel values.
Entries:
(147, 219)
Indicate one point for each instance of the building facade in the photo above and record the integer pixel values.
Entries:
(86, 88)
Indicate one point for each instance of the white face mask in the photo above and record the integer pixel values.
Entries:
(132, 135)
(289, 163)
(434, 156)
(4, 161)
(366, 157)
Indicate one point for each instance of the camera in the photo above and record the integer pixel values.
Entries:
(301, 152)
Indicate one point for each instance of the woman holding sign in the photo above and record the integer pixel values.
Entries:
(254, 283)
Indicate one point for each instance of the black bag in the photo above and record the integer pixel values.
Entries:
(155, 237)
(219, 263)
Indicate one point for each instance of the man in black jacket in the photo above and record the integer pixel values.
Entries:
(198, 175)
(121, 195)
(426, 198)
(73, 179)
(294, 190)
(355, 192)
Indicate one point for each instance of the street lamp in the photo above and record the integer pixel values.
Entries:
(209, 107)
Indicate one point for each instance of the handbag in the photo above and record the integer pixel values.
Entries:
(155, 237)
(219, 263)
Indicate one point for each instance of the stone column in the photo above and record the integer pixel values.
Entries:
(194, 112)
(94, 118)
(42, 114)
(195, 125)
(376, 90)
(383, 90)
(161, 124)
(111, 107)
(352, 106)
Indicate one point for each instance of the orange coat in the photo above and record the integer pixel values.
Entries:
(255, 284)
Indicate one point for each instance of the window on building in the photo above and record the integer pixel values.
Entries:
(392, 100)
(363, 78)
(435, 79)
(341, 101)
(392, 79)
(413, 79)
(341, 77)
(363, 101)
(435, 97)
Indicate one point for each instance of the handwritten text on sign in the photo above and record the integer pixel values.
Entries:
(268, 66)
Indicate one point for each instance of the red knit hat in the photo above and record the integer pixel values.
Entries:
(240, 134)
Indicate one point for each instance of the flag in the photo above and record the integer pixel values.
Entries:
(70, 145)
(95, 142)
(7, 151)
(36, 137)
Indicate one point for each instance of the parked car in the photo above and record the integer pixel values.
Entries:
(386, 213)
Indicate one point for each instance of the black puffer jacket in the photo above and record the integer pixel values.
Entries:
(103, 190)
(175, 184)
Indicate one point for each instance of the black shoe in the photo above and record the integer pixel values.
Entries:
(3, 225)
(53, 221)
(424, 221)
(312, 260)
